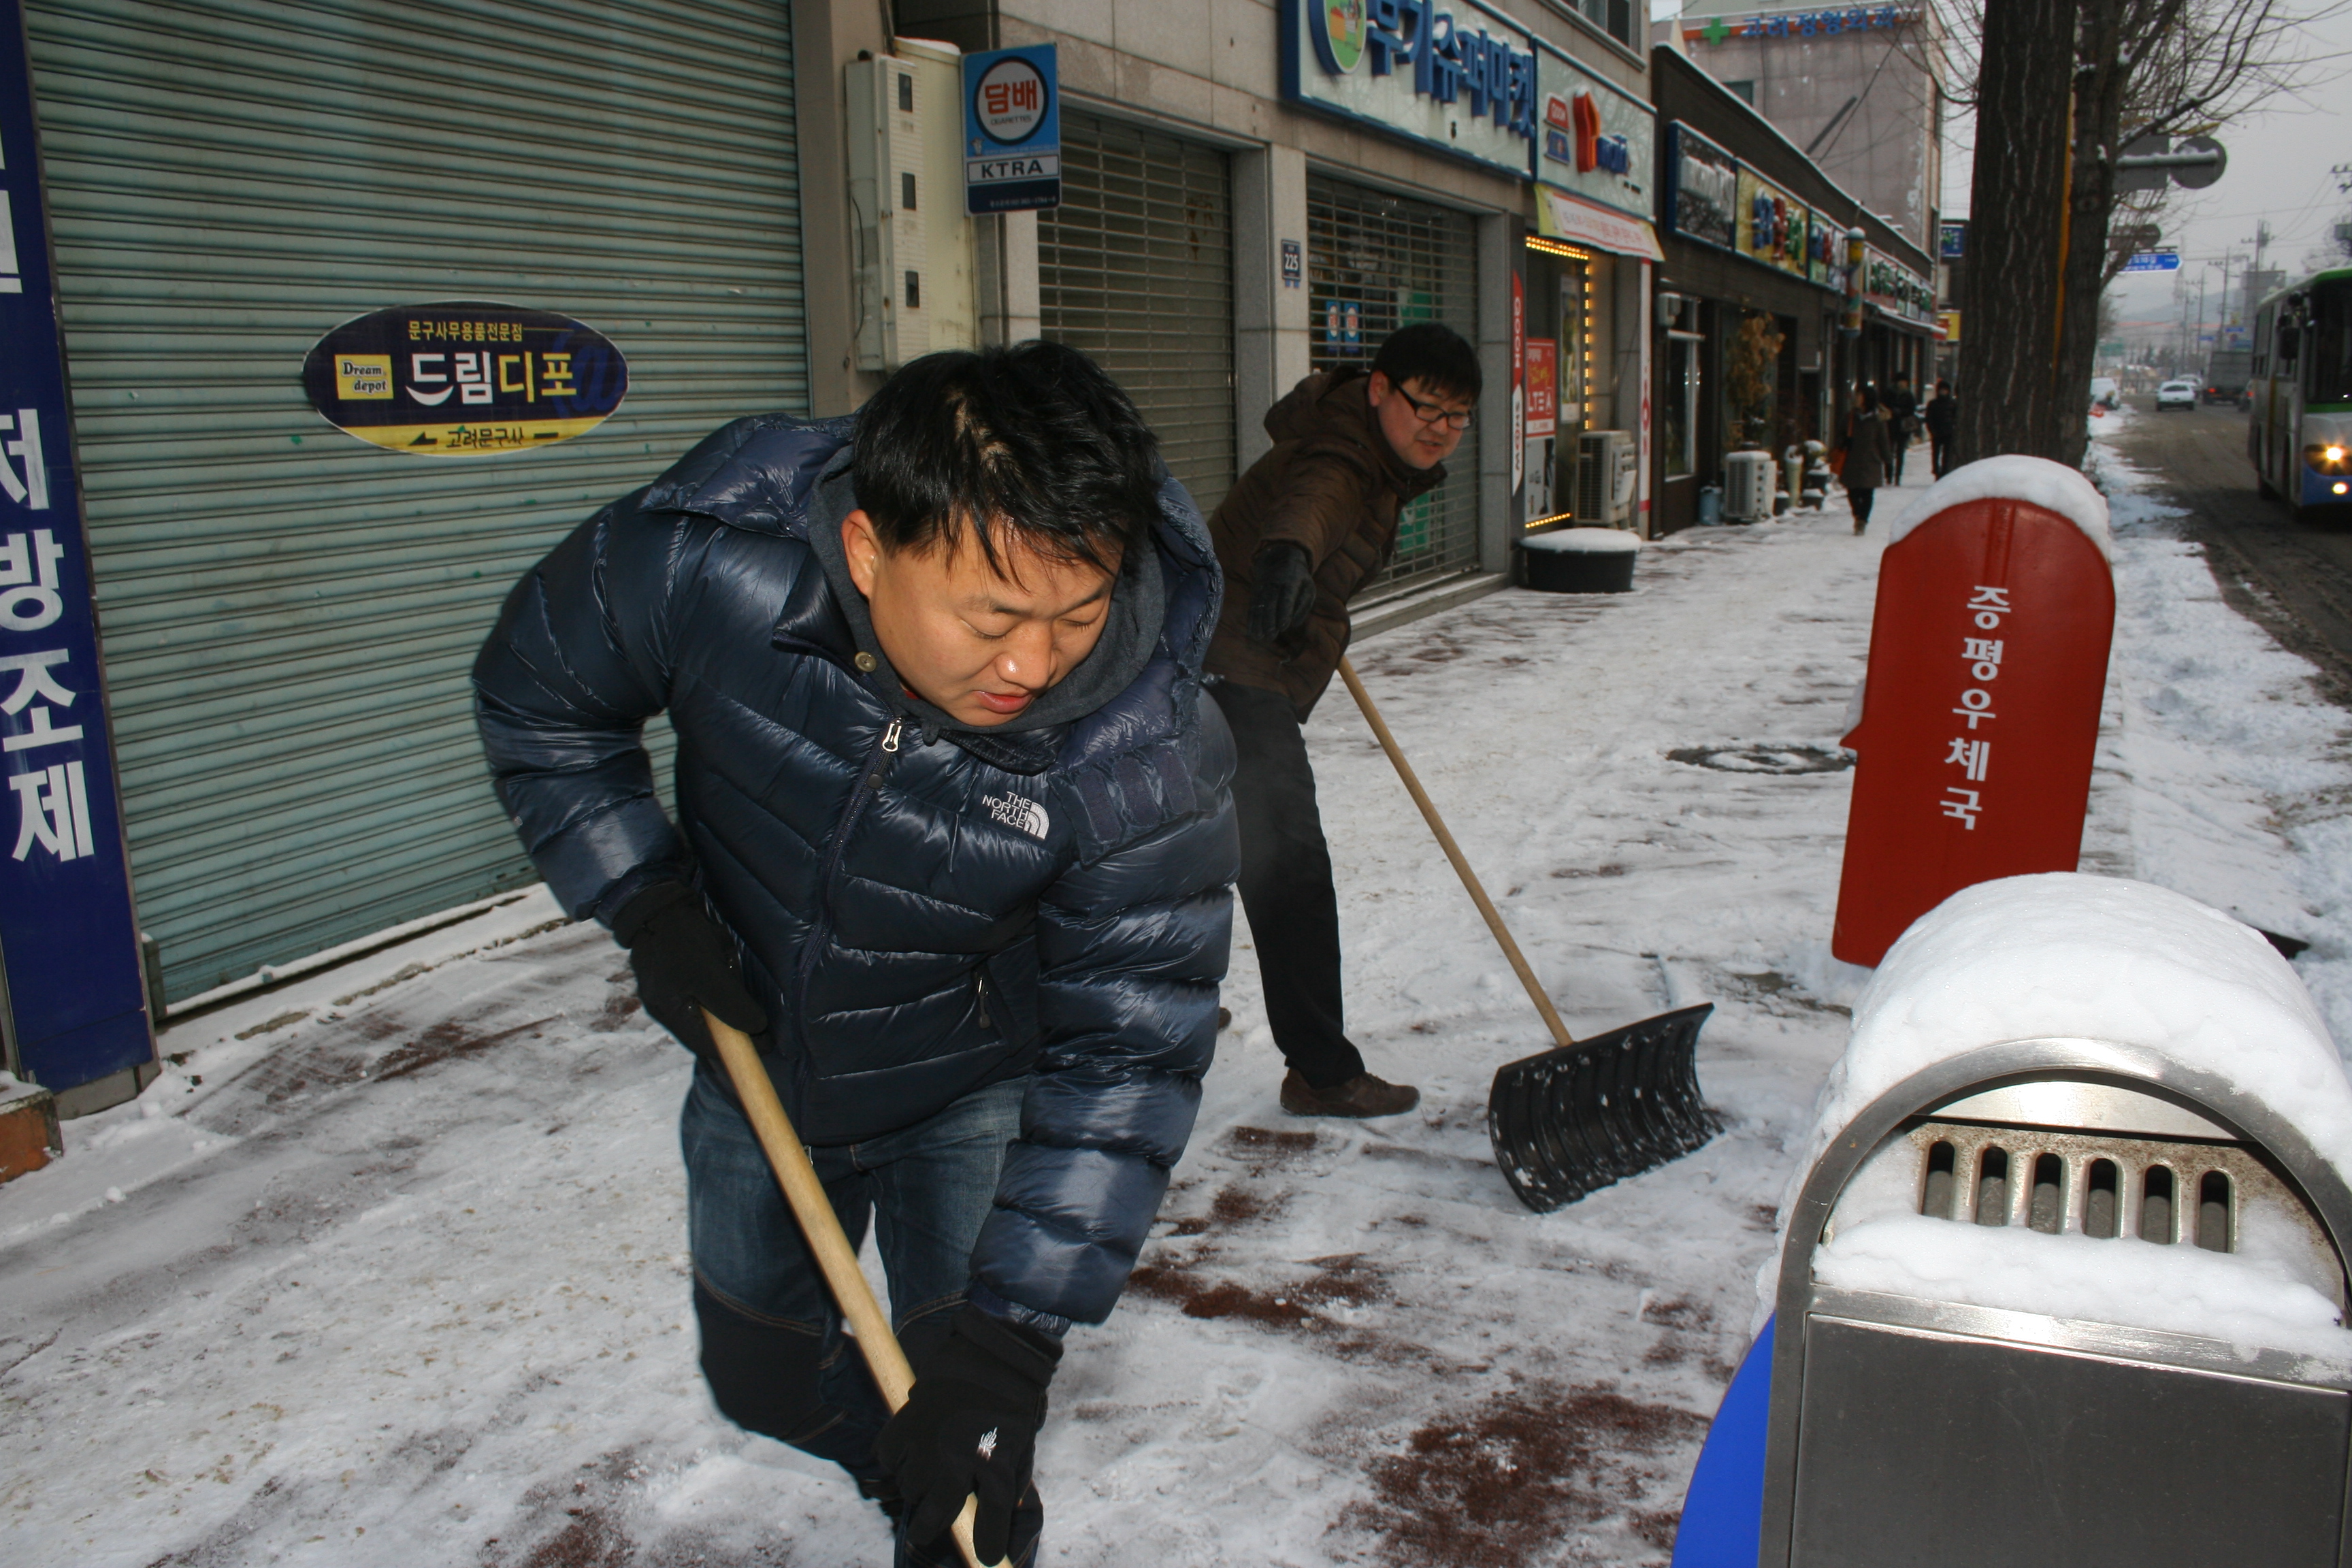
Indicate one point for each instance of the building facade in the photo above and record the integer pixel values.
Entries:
(1856, 89)
(1779, 292)
(243, 194)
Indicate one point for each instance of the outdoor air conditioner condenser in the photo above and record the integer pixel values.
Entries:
(1747, 486)
(1604, 478)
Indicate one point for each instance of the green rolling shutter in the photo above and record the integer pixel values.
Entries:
(1376, 262)
(1136, 267)
(290, 615)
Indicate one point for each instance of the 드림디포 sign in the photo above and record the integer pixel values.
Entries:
(464, 378)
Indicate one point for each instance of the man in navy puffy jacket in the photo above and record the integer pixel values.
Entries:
(953, 845)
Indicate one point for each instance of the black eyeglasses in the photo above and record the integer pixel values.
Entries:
(1431, 413)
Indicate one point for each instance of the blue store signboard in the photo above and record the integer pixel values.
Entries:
(1012, 131)
(68, 939)
(1453, 76)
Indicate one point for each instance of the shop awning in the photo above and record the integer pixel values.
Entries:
(1560, 215)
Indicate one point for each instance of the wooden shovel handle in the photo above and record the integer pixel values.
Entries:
(1550, 1014)
(822, 1228)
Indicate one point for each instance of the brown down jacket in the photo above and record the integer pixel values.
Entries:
(1331, 484)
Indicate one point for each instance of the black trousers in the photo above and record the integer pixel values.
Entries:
(1285, 886)
(1941, 448)
(1860, 501)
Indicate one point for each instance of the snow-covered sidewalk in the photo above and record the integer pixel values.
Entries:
(400, 1280)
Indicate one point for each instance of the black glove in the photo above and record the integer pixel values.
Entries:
(969, 1429)
(685, 962)
(1285, 591)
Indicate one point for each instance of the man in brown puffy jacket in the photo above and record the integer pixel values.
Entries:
(1305, 527)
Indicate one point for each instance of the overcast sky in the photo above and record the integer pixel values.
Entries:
(2279, 168)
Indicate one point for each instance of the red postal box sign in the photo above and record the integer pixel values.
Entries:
(1980, 714)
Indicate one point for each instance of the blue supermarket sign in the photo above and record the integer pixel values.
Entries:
(1012, 131)
(2154, 261)
(74, 1003)
(1456, 77)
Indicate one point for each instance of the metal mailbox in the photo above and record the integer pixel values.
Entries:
(2072, 1298)
(1933, 1432)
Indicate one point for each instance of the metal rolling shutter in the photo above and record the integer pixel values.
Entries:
(1394, 261)
(1136, 267)
(290, 615)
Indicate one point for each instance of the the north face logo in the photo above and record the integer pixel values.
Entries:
(1013, 811)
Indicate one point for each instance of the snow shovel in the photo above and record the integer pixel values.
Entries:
(1582, 1115)
(818, 1222)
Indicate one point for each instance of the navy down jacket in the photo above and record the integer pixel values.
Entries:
(921, 914)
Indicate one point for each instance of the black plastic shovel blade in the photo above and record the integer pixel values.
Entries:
(1578, 1118)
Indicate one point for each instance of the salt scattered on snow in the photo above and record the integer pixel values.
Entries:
(2054, 486)
(2182, 1289)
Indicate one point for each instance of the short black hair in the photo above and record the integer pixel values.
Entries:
(1032, 442)
(1433, 354)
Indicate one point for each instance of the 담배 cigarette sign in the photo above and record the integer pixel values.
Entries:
(464, 378)
(1012, 131)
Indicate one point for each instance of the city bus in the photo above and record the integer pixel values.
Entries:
(2299, 437)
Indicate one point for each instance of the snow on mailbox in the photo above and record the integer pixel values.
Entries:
(1980, 712)
(2062, 1271)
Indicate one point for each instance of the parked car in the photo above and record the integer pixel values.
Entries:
(2104, 393)
(2179, 392)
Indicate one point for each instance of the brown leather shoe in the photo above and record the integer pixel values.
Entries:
(1362, 1095)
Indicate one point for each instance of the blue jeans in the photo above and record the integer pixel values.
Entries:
(774, 1350)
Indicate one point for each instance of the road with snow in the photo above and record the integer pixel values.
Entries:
(2296, 576)
(388, 1267)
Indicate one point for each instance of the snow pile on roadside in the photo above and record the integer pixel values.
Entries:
(2054, 486)
(2182, 1289)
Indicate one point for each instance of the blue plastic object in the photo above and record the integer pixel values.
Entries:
(1723, 1514)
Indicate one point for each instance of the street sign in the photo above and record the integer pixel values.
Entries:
(1012, 131)
(2154, 261)
(2211, 157)
(2147, 163)
(1952, 239)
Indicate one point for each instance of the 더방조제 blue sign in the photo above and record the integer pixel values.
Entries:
(1012, 131)
(74, 1003)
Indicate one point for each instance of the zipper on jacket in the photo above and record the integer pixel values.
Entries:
(980, 993)
(878, 765)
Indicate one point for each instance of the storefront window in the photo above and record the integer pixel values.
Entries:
(1376, 262)
(1678, 416)
(1751, 379)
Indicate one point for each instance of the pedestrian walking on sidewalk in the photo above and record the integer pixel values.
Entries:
(1943, 419)
(1868, 453)
(1310, 523)
(1902, 407)
(953, 846)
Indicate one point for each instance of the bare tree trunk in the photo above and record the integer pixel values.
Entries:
(2017, 205)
